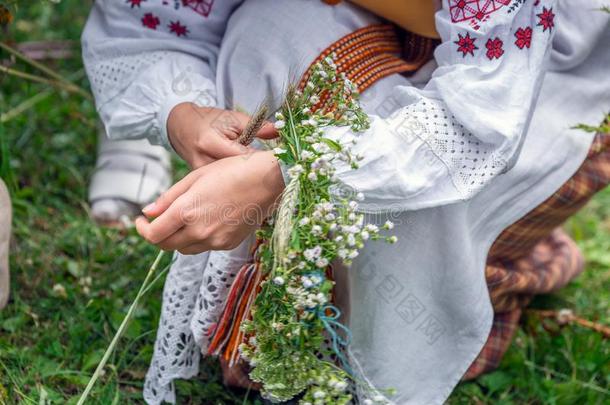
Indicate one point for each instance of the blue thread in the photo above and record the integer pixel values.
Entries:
(331, 324)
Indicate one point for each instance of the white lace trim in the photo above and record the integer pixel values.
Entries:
(193, 299)
(111, 75)
(472, 163)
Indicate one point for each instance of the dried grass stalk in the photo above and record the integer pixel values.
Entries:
(283, 223)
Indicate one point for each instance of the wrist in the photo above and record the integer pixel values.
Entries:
(174, 120)
(272, 178)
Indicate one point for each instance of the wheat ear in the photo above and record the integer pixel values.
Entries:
(283, 223)
(254, 125)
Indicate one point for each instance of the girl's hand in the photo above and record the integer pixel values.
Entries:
(202, 135)
(216, 206)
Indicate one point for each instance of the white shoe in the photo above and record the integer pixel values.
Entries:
(128, 175)
(5, 237)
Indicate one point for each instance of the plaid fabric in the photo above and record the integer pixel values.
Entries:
(533, 256)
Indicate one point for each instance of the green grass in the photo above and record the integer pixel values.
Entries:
(51, 340)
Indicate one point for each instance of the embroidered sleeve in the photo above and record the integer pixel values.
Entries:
(467, 125)
(143, 57)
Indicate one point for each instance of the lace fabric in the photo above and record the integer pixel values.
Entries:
(471, 162)
(193, 299)
(109, 76)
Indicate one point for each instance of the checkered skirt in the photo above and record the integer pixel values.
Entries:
(534, 256)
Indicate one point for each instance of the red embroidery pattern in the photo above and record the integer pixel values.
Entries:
(524, 37)
(202, 7)
(466, 44)
(474, 11)
(134, 2)
(178, 29)
(150, 21)
(494, 48)
(546, 19)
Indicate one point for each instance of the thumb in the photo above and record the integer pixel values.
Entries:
(267, 131)
(241, 121)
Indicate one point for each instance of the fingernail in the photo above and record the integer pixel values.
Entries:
(149, 207)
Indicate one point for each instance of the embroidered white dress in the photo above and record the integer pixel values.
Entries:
(451, 156)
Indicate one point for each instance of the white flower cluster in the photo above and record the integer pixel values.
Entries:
(332, 230)
(326, 390)
(376, 400)
(306, 298)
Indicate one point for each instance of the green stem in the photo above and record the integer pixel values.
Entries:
(293, 130)
(120, 331)
(67, 83)
(32, 101)
(38, 79)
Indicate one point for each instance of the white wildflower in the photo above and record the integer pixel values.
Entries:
(304, 221)
(312, 176)
(372, 228)
(330, 217)
(392, 239)
(306, 155)
(319, 394)
(388, 225)
(359, 197)
(60, 290)
(279, 124)
(279, 280)
(313, 253)
(365, 235)
(322, 262)
(295, 170)
(307, 283)
(341, 385)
